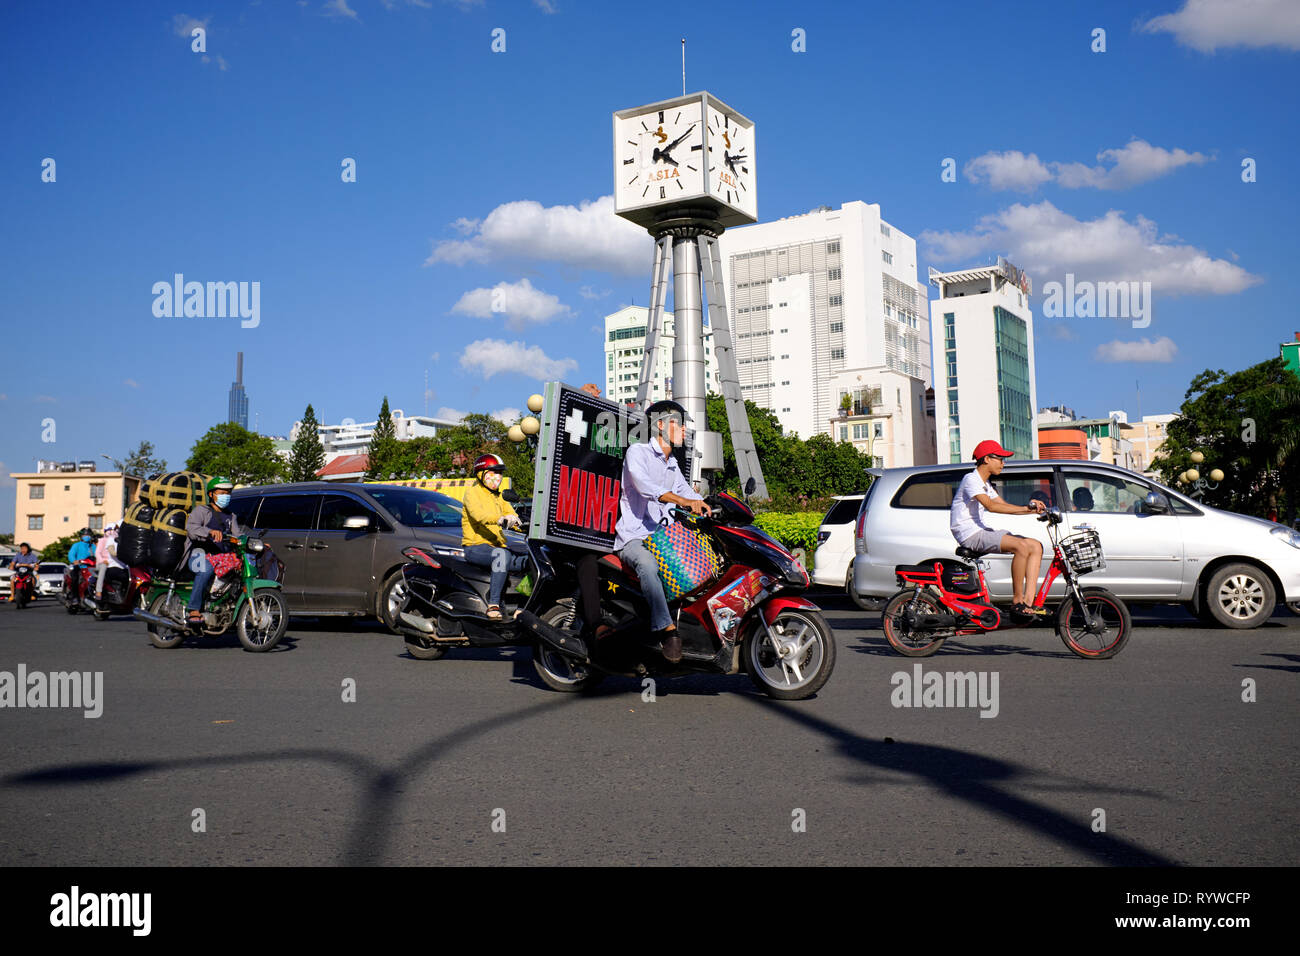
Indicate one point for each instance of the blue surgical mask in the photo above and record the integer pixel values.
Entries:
(223, 500)
(86, 538)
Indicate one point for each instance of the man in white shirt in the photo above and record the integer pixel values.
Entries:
(974, 499)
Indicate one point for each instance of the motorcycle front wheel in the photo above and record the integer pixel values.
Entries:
(557, 671)
(166, 637)
(803, 662)
(1108, 611)
(910, 642)
(262, 620)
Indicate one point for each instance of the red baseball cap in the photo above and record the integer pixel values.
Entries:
(990, 448)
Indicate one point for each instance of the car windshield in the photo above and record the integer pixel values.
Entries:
(417, 508)
(52, 569)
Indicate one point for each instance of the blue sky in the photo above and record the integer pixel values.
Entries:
(475, 168)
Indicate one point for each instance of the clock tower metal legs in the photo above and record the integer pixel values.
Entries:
(697, 278)
(654, 327)
(724, 355)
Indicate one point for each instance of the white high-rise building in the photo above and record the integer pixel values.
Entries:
(826, 305)
(983, 330)
(625, 333)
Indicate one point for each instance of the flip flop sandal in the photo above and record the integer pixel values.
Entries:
(493, 612)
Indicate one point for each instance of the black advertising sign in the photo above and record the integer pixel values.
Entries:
(578, 475)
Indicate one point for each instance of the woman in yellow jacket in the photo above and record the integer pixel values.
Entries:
(483, 521)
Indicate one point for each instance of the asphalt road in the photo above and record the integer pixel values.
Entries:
(432, 754)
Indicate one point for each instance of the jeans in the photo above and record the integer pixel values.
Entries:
(501, 561)
(203, 575)
(636, 554)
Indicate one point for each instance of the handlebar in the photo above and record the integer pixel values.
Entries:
(1052, 516)
(687, 513)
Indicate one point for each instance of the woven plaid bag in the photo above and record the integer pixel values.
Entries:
(685, 557)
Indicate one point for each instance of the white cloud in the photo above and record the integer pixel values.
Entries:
(1058, 330)
(546, 6)
(1162, 349)
(339, 8)
(1138, 162)
(183, 25)
(1048, 243)
(450, 414)
(588, 235)
(507, 416)
(132, 382)
(1009, 170)
(494, 356)
(222, 65)
(1207, 25)
(590, 292)
(519, 302)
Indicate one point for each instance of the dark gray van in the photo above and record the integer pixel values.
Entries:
(342, 543)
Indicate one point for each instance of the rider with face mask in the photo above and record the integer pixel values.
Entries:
(208, 529)
(83, 549)
(483, 523)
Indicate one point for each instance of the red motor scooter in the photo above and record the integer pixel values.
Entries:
(124, 591)
(23, 585)
(78, 584)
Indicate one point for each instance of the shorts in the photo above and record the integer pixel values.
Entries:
(986, 542)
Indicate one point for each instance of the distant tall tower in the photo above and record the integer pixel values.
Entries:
(238, 406)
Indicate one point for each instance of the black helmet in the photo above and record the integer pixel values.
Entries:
(665, 407)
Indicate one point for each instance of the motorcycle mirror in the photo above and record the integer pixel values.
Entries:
(750, 486)
(510, 495)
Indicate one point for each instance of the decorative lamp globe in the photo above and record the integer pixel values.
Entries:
(1216, 475)
(1193, 474)
(515, 433)
(535, 403)
(530, 425)
(1198, 457)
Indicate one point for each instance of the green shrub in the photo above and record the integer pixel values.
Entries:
(792, 530)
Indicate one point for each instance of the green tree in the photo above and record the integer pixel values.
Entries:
(770, 443)
(6, 538)
(307, 455)
(1235, 421)
(242, 456)
(141, 462)
(384, 447)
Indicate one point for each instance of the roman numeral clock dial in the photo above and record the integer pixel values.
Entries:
(690, 152)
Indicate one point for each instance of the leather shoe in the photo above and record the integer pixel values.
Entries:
(671, 646)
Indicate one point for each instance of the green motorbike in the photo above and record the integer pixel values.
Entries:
(253, 605)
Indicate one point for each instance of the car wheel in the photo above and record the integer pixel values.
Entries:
(863, 603)
(1239, 596)
(391, 597)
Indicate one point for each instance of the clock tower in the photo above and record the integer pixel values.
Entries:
(685, 170)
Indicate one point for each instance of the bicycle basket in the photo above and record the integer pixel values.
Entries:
(1084, 551)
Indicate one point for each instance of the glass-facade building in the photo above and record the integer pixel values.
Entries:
(1015, 413)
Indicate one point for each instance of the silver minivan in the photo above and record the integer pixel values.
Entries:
(1160, 546)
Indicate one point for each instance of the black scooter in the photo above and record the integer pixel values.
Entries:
(447, 600)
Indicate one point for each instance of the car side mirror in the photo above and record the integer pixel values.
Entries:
(1155, 504)
(356, 523)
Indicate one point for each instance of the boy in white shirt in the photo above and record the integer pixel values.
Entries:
(974, 499)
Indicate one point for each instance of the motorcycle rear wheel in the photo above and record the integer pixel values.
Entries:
(557, 671)
(910, 643)
(170, 637)
(801, 674)
(267, 602)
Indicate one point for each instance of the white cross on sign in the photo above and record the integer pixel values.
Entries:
(576, 426)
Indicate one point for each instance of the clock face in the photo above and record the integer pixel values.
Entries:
(730, 148)
(659, 156)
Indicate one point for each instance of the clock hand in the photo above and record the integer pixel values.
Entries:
(662, 154)
(673, 144)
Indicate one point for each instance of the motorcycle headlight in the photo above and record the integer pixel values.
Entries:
(256, 545)
(1286, 534)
